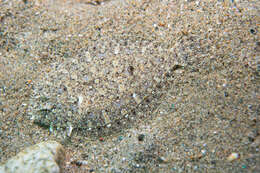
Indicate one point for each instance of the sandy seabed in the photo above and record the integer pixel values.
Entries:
(133, 86)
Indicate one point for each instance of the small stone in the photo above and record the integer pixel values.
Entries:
(252, 31)
(117, 49)
(79, 162)
(120, 138)
(80, 100)
(74, 76)
(225, 94)
(195, 167)
(204, 152)
(162, 159)
(233, 156)
(46, 157)
(158, 80)
(121, 88)
(107, 119)
(130, 70)
(141, 137)
(137, 99)
(88, 57)
(69, 130)
(96, 81)
(256, 142)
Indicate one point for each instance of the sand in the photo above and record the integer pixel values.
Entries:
(133, 86)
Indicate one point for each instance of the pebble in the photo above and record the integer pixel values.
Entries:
(162, 159)
(45, 157)
(69, 130)
(203, 152)
(256, 142)
(233, 156)
(141, 137)
(80, 100)
(225, 94)
(117, 49)
(137, 99)
(88, 57)
(79, 162)
(120, 138)
(252, 31)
